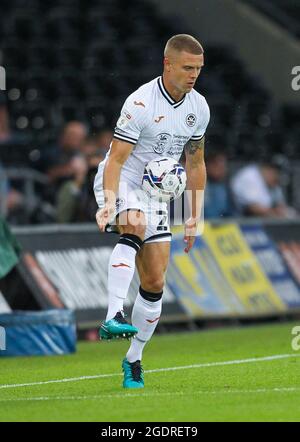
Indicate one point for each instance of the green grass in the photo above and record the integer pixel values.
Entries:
(240, 392)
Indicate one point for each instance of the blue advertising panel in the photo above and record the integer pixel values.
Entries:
(273, 264)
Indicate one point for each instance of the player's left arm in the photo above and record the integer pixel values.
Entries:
(196, 181)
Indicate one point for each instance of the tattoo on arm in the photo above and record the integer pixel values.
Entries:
(193, 147)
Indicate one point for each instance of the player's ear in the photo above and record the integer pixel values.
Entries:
(167, 64)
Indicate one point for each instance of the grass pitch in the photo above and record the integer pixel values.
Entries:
(246, 388)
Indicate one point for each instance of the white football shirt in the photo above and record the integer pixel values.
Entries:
(248, 187)
(158, 126)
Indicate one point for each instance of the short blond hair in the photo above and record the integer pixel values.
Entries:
(183, 42)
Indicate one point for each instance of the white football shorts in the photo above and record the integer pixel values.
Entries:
(131, 196)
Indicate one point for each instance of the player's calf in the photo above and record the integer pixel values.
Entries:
(120, 272)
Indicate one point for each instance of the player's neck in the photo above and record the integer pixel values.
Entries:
(172, 91)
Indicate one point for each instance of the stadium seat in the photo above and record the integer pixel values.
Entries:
(284, 12)
(81, 59)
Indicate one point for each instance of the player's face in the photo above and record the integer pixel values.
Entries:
(271, 176)
(184, 70)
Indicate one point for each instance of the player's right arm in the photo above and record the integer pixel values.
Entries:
(119, 152)
(127, 131)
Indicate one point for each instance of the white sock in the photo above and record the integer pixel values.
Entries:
(120, 272)
(145, 317)
(135, 350)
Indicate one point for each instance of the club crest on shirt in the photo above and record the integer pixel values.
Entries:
(191, 120)
(162, 142)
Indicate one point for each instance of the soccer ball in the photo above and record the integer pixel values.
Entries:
(164, 179)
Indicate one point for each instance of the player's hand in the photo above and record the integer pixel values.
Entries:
(103, 216)
(190, 230)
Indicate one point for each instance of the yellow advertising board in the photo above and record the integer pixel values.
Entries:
(241, 268)
(198, 282)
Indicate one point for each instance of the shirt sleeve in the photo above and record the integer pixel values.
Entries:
(131, 121)
(203, 123)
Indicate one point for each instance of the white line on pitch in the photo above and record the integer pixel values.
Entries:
(156, 370)
(153, 394)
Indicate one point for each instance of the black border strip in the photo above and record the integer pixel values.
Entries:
(195, 138)
(125, 138)
(163, 93)
(167, 96)
(159, 235)
(179, 103)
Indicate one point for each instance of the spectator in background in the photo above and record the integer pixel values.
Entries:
(217, 201)
(64, 161)
(257, 192)
(8, 137)
(75, 199)
(93, 152)
(5, 133)
(103, 140)
(57, 160)
(72, 195)
(11, 201)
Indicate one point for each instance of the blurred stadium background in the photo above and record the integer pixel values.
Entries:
(69, 65)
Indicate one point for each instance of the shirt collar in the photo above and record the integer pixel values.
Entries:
(167, 96)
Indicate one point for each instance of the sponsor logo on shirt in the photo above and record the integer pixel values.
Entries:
(162, 143)
(139, 103)
(177, 145)
(158, 119)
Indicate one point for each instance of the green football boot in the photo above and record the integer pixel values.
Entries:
(133, 374)
(117, 327)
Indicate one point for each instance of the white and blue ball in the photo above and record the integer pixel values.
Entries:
(164, 179)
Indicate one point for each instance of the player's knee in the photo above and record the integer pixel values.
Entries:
(153, 283)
